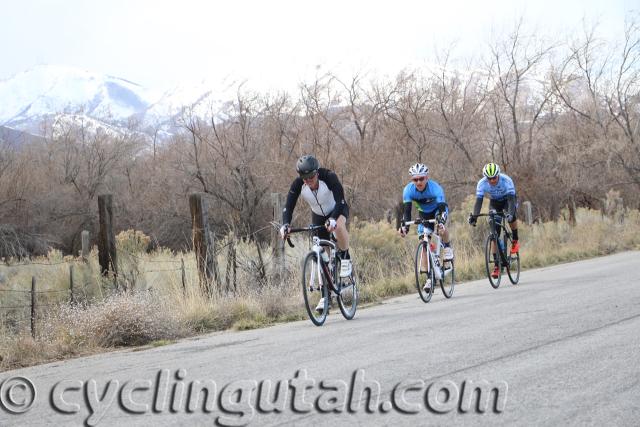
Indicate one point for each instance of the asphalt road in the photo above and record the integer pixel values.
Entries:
(562, 347)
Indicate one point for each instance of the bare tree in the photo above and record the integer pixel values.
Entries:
(623, 102)
(409, 110)
(460, 101)
(519, 95)
(325, 116)
(224, 158)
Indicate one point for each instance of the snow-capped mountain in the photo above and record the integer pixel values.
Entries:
(204, 98)
(47, 90)
(56, 94)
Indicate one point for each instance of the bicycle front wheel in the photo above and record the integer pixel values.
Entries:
(424, 278)
(513, 261)
(314, 290)
(447, 282)
(489, 264)
(347, 293)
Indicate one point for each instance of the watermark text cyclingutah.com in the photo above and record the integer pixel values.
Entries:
(240, 402)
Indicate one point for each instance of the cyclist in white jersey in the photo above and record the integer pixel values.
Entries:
(322, 190)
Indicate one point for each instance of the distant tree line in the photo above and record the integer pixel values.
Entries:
(563, 119)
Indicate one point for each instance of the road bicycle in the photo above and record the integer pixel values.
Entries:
(321, 278)
(438, 271)
(500, 237)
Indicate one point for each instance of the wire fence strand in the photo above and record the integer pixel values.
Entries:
(163, 271)
(33, 263)
(51, 291)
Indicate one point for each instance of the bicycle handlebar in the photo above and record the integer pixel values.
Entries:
(309, 229)
(419, 221)
(490, 213)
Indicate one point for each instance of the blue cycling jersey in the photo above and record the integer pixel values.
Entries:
(502, 189)
(427, 200)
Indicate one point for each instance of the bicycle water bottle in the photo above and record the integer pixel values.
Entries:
(501, 244)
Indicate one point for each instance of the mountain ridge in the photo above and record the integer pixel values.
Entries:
(46, 92)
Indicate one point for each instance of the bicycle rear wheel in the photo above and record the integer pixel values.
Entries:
(313, 289)
(513, 261)
(347, 293)
(423, 276)
(447, 282)
(489, 264)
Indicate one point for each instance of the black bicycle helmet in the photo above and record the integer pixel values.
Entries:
(307, 166)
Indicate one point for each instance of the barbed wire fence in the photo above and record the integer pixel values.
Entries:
(22, 310)
(33, 304)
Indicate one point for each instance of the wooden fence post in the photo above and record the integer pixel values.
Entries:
(214, 259)
(277, 244)
(388, 215)
(572, 211)
(72, 298)
(107, 240)
(399, 212)
(235, 270)
(231, 270)
(184, 281)
(84, 238)
(528, 214)
(33, 307)
(200, 228)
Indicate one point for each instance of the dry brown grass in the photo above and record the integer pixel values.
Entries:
(161, 308)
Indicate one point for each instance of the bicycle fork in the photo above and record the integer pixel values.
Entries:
(316, 271)
(431, 261)
(434, 255)
(433, 264)
(319, 270)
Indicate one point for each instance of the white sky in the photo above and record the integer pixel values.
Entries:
(273, 43)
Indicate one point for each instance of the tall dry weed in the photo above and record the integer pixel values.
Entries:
(170, 305)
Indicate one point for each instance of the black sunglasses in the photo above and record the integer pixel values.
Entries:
(308, 175)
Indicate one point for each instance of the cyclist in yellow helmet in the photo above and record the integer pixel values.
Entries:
(502, 195)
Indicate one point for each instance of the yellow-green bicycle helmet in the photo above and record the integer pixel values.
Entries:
(491, 170)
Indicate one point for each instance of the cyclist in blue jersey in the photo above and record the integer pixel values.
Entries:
(428, 198)
(502, 195)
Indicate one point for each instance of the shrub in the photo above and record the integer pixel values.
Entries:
(118, 320)
(132, 241)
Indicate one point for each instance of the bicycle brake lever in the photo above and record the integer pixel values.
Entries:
(290, 242)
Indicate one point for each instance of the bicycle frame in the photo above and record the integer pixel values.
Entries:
(317, 247)
(498, 247)
(328, 279)
(497, 222)
(328, 267)
(437, 245)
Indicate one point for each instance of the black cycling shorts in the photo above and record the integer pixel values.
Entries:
(321, 220)
(502, 205)
(428, 215)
